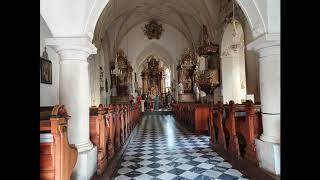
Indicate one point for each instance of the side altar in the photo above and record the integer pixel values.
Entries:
(186, 76)
(121, 78)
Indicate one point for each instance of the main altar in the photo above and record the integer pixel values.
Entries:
(153, 78)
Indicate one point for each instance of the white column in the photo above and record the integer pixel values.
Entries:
(74, 94)
(268, 147)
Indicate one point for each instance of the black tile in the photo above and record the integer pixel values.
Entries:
(155, 173)
(202, 177)
(193, 163)
(227, 177)
(154, 154)
(138, 155)
(136, 160)
(217, 168)
(154, 159)
(176, 171)
(135, 166)
(206, 156)
(133, 174)
(154, 165)
(179, 178)
(197, 170)
(174, 164)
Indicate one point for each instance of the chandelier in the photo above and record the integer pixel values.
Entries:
(236, 43)
(205, 46)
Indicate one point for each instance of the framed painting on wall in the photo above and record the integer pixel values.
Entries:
(46, 71)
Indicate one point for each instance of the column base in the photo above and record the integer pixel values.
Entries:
(86, 165)
(82, 147)
(268, 156)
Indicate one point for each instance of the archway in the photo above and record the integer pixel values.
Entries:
(233, 63)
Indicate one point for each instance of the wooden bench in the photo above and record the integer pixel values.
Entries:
(193, 116)
(57, 156)
(99, 134)
(235, 127)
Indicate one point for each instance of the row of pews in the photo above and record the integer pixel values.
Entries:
(194, 116)
(110, 127)
(57, 156)
(234, 127)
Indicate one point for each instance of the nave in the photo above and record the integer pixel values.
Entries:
(162, 149)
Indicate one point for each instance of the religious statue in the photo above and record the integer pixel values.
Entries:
(180, 89)
(196, 91)
(154, 91)
(101, 78)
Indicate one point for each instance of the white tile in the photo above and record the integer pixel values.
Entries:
(144, 169)
(144, 177)
(182, 160)
(196, 154)
(166, 176)
(224, 164)
(145, 157)
(127, 163)
(200, 159)
(185, 167)
(207, 150)
(205, 165)
(124, 170)
(233, 172)
(146, 152)
(163, 161)
(212, 173)
(180, 155)
(122, 177)
(212, 153)
(130, 153)
(189, 175)
(145, 162)
(165, 168)
(128, 158)
(217, 158)
(162, 156)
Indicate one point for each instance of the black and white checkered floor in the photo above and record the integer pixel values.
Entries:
(163, 150)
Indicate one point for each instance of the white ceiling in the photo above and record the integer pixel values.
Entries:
(187, 16)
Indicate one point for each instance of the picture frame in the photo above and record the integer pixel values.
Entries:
(45, 71)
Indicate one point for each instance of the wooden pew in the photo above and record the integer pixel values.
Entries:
(99, 134)
(57, 156)
(111, 136)
(193, 116)
(117, 124)
(237, 126)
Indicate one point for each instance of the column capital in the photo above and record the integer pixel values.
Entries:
(265, 41)
(72, 48)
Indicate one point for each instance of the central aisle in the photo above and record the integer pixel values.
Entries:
(163, 150)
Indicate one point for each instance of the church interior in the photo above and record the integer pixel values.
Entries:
(160, 89)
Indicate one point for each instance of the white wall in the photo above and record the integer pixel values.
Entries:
(49, 93)
(233, 66)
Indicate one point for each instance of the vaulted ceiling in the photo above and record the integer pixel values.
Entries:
(187, 16)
